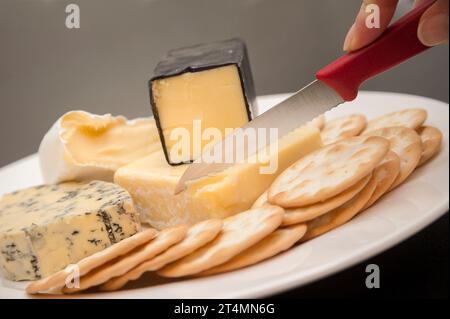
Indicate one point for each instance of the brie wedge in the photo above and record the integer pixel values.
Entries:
(82, 146)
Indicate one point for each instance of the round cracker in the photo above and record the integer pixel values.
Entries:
(261, 200)
(431, 143)
(385, 174)
(340, 215)
(406, 143)
(58, 279)
(239, 232)
(122, 264)
(328, 171)
(342, 128)
(280, 240)
(410, 118)
(197, 236)
(303, 214)
(307, 213)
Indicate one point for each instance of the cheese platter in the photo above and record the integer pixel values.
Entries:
(401, 213)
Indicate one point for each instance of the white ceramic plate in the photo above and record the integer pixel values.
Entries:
(399, 215)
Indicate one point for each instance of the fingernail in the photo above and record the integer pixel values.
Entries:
(434, 30)
(349, 38)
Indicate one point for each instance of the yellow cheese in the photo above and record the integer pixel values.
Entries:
(215, 97)
(151, 183)
(83, 146)
(110, 141)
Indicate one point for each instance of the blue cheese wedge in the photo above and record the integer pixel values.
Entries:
(45, 228)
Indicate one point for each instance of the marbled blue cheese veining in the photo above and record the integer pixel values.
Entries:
(45, 228)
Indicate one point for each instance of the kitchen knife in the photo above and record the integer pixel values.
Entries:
(336, 83)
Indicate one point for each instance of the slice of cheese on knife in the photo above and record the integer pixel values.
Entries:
(151, 183)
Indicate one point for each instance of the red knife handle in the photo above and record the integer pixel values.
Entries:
(398, 43)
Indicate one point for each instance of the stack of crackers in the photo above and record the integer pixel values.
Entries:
(360, 162)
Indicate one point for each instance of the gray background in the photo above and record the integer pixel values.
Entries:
(103, 67)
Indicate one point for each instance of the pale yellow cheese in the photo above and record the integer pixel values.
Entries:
(151, 183)
(83, 146)
(214, 96)
(109, 141)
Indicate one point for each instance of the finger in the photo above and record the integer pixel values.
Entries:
(433, 26)
(362, 33)
(418, 3)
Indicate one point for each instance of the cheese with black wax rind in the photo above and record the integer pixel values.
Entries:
(151, 183)
(211, 83)
(82, 146)
(45, 228)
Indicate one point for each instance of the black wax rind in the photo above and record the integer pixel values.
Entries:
(200, 58)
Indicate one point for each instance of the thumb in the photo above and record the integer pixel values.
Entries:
(433, 26)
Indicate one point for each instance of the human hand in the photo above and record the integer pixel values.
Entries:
(432, 30)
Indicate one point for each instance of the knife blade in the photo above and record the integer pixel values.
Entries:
(336, 83)
(314, 99)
